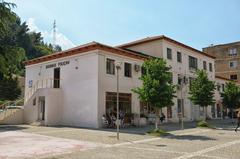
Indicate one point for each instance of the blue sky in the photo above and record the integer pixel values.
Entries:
(195, 23)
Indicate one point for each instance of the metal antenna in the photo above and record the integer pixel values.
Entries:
(54, 33)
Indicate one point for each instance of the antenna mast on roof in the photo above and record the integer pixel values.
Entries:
(54, 33)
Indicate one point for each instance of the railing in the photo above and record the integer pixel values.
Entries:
(43, 83)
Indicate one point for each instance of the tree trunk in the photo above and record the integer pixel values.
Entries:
(204, 113)
(156, 123)
(156, 119)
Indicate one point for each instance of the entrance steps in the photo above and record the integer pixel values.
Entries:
(38, 123)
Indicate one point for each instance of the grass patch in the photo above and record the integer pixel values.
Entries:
(204, 124)
(158, 132)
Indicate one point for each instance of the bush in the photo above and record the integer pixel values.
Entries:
(158, 132)
(2, 102)
(204, 124)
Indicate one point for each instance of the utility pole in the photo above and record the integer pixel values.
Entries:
(118, 67)
(54, 33)
(182, 102)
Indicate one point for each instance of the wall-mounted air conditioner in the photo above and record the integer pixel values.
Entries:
(137, 67)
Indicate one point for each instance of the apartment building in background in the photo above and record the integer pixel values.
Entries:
(227, 62)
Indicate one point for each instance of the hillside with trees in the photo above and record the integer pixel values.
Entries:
(17, 44)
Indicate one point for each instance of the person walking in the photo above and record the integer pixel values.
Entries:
(238, 121)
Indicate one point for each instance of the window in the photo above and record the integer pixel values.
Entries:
(233, 64)
(180, 106)
(193, 63)
(218, 87)
(179, 57)
(233, 52)
(169, 53)
(210, 67)
(223, 87)
(110, 66)
(34, 101)
(190, 82)
(233, 77)
(179, 80)
(125, 102)
(204, 65)
(169, 112)
(171, 78)
(127, 69)
(143, 71)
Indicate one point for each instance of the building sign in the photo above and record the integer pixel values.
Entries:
(59, 64)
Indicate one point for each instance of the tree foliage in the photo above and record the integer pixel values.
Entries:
(157, 88)
(9, 88)
(17, 44)
(202, 90)
(231, 96)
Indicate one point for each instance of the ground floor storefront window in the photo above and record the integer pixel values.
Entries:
(146, 109)
(169, 112)
(219, 111)
(125, 100)
(213, 111)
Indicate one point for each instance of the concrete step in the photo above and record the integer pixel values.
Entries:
(37, 123)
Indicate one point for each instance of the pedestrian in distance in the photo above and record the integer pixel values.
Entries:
(162, 117)
(238, 121)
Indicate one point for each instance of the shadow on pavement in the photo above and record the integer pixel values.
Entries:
(144, 129)
(4, 128)
(189, 137)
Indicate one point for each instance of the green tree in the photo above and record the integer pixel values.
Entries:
(202, 91)
(9, 88)
(231, 96)
(17, 44)
(6, 15)
(157, 88)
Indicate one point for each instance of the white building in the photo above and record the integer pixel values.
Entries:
(184, 61)
(77, 87)
(86, 86)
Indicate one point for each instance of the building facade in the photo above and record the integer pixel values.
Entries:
(77, 87)
(184, 61)
(227, 60)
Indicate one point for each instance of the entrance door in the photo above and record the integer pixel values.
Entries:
(56, 78)
(41, 108)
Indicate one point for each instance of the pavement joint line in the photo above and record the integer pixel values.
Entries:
(213, 148)
(215, 157)
(150, 149)
(195, 132)
(45, 132)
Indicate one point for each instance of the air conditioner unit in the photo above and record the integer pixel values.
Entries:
(137, 67)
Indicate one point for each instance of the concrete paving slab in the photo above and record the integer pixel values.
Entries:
(16, 144)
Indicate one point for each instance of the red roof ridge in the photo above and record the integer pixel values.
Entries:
(153, 38)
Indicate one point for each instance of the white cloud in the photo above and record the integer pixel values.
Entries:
(61, 39)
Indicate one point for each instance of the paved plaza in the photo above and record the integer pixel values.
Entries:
(26, 141)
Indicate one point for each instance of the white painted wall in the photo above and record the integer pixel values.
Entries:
(108, 83)
(158, 48)
(14, 119)
(79, 84)
(53, 106)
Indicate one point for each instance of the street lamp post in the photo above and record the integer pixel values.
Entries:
(118, 67)
(182, 103)
(183, 83)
